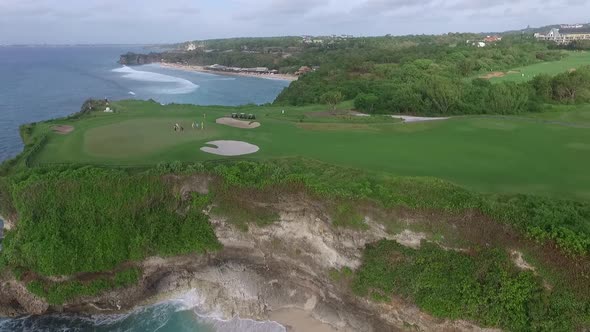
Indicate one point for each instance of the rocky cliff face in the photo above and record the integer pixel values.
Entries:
(133, 59)
(283, 265)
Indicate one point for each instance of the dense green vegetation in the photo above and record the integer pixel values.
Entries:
(60, 292)
(483, 286)
(427, 87)
(486, 154)
(89, 220)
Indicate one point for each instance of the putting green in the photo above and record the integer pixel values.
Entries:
(544, 153)
(141, 137)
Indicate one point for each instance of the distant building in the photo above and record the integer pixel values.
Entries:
(273, 50)
(191, 47)
(257, 70)
(481, 44)
(565, 35)
(571, 26)
(492, 39)
(303, 70)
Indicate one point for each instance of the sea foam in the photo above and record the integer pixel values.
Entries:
(167, 315)
(173, 85)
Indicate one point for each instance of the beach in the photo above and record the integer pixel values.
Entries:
(298, 320)
(202, 69)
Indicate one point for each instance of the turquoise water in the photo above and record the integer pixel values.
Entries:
(175, 315)
(40, 83)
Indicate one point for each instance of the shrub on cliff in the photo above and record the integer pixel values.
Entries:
(90, 219)
(483, 286)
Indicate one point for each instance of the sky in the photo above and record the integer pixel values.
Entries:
(168, 21)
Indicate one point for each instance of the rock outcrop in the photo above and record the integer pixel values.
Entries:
(134, 59)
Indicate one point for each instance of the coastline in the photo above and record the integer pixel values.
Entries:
(299, 320)
(201, 69)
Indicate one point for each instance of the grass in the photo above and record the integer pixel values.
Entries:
(578, 115)
(573, 60)
(497, 155)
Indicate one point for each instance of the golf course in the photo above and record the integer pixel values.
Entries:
(538, 153)
(571, 61)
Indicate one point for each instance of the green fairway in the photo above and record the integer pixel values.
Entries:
(572, 61)
(541, 154)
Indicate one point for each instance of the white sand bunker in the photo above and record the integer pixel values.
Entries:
(238, 123)
(62, 129)
(409, 118)
(230, 148)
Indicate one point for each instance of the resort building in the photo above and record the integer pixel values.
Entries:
(565, 35)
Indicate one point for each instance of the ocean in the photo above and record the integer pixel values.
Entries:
(175, 315)
(40, 83)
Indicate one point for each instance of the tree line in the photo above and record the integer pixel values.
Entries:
(429, 79)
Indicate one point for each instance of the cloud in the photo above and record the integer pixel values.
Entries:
(276, 9)
(379, 6)
(116, 21)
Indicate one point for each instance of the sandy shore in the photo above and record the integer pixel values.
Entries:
(297, 320)
(201, 69)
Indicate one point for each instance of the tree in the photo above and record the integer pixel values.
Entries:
(542, 85)
(332, 98)
(507, 98)
(573, 86)
(443, 93)
(366, 102)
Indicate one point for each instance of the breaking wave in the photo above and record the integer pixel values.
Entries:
(179, 314)
(170, 84)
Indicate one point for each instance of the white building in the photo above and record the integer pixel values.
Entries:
(565, 36)
(191, 47)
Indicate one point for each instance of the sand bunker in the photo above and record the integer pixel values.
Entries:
(230, 148)
(62, 129)
(494, 74)
(409, 118)
(238, 123)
